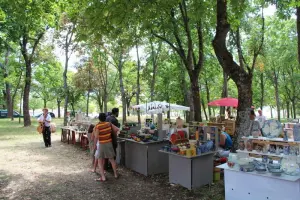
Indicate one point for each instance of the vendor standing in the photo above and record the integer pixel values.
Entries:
(45, 119)
(112, 118)
(225, 144)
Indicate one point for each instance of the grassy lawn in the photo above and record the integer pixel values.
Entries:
(13, 131)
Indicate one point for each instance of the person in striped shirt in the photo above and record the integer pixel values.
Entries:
(104, 130)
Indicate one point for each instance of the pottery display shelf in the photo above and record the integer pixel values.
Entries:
(261, 153)
(252, 185)
(190, 172)
(275, 141)
(144, 158)
(270, 139)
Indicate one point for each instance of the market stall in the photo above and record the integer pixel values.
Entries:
(77, 126)
(220, 122)
(265, 167)
(191, 161)
(142, 146)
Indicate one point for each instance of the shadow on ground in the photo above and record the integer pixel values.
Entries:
(30, 171)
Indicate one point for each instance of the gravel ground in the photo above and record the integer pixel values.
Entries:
(30, 171)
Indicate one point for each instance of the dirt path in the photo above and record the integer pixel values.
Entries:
(30, 171)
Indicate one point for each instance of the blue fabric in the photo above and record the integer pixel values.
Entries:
(228, 141)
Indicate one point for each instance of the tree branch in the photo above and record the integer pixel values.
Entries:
(35, 45)
(256, 53)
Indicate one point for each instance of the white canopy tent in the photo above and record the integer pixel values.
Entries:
(157, 107)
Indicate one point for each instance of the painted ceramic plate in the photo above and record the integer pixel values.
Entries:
(272, 128)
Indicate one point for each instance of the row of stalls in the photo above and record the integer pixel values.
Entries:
(264, 167)
(184, 152)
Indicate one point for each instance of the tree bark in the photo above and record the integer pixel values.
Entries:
(154, 56)
(7, 86)
(66, 90)
(20, 106)
(298, 32)
(28, 58)
(27, 120)
(262, 90)
(287, 109)
(275, 79)
(271, 110)
(224, 92)
(87, 103)
(15, 93)
(294, 109)
(123, 95)
(203, 106)
(196, 111)
(138, 82)
(58, 107)
(192, 65)
(242, 79)
(208, 97)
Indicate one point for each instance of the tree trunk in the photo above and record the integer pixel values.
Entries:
(203, 106)
(224, 92)
(58, 107)
(271, 109)
(294, 108)
(15, 93)
(277, 95)
(20, 106)
(45, 103)
(262, 90)
(87, 103)
(27, 120)
(154, 70)
(73, 109)
(208, 97)
(242, 79)
(127, 108)
(138, 82)
(105, 101)
(7, 87)
(298, 32)
(123, 95)
(243, 111)
(196, 110)
(66, 89)
(287, 109)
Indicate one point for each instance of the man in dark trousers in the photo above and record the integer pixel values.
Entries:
(113, 119)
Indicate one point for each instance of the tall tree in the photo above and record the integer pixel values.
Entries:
(67, 40)
(28, 27)
(240, 75)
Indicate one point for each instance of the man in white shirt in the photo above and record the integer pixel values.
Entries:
(260, 118)
(45, 118)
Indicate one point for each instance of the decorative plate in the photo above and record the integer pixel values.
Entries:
(271, 128)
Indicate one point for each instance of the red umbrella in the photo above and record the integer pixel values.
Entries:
(233, 102)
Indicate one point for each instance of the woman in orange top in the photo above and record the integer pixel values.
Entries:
(104, 130)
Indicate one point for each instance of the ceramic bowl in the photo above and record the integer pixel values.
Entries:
(261, 169)
(247, 168)
(274, 166)
(276, 172)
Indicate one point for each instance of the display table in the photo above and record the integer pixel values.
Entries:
(190, 172)
(144, 158)
(120, 152)
(252, 185)
(66, 129)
